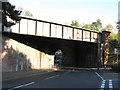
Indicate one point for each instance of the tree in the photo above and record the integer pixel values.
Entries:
(109, 28)
(104, 29)
(114, 43)
(8, 10)
(87, 26)
(114, 36)
(96, 25)
(75, 23)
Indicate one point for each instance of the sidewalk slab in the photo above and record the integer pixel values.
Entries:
(21, 74)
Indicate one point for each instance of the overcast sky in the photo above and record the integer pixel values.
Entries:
(64, 11)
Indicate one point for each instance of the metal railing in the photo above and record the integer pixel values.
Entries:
(37, 27)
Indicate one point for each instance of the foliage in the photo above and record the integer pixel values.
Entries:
(114, 40)
(96, 25)
(104, 29)
(114, 43)
(109, 28)
(114, 36)
(75, 23)
(8, 10)
(87, 26)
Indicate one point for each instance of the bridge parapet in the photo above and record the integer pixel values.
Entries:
(36, 27)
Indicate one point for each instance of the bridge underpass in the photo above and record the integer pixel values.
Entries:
(81, 48)
(76, 53)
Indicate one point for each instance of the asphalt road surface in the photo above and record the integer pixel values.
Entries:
(67, 79)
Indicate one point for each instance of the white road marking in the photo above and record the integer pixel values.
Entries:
(103, 84)
(22, 86)
(51, 77)
(110, 84)
(99, 76)
(110, 80)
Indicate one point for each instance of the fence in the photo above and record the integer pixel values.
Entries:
(36, 27)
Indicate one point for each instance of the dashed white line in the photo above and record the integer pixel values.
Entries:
(110, 84)
(51, 77)
(103, 81)
(110, 80)
(103, 84)
(21, 86)
(99, 75)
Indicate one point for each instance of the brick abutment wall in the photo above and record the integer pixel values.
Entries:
(17, 56)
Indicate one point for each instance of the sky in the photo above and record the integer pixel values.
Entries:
(64, 11)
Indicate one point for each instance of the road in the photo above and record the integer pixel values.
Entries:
(67, 79)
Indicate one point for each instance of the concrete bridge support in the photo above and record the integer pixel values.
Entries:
(17, 56)
(79, 54)
(76, 53)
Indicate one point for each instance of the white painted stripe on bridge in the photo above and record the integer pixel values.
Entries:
(51, 77)
(21, 86)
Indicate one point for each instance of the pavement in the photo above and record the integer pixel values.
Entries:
(68, 77)
(28, 73)
(21, 74)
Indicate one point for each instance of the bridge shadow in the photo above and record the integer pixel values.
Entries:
(43, 44)
(12, 59)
